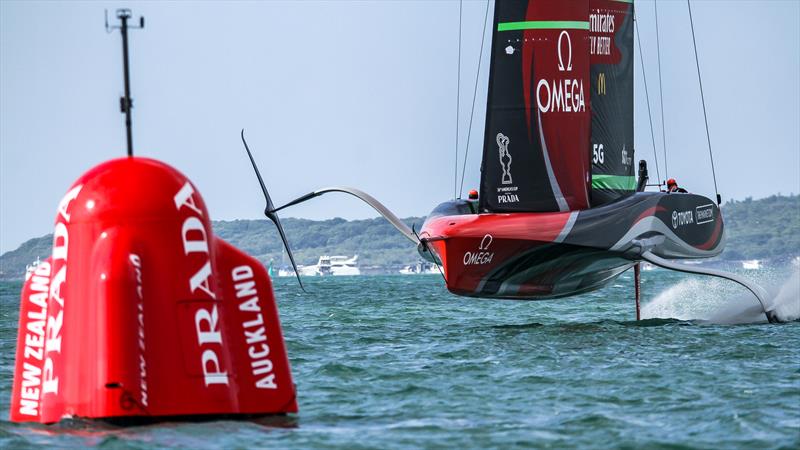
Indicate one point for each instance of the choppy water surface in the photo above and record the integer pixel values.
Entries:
(399, 362)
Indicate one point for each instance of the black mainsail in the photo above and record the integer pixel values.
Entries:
(559, 120)
(538, 118)
(611, 56)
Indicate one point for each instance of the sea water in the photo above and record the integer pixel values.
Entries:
(397, 362)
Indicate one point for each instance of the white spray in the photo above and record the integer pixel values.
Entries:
(720, 301)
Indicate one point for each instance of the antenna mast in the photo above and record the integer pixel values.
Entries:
(125, 103)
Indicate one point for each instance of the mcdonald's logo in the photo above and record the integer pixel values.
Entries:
(601, 83)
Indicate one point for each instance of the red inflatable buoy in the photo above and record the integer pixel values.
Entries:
(142, 312)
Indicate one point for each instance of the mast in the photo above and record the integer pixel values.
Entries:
(125, 103)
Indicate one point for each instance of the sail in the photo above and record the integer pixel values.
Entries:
(538, 114)
(611, 49)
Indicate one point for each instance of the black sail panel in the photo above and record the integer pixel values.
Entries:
(538, 111)
(611, 55)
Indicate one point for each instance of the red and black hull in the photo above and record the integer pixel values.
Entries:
(557, 254)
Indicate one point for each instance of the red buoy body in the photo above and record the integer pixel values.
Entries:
(142, 311)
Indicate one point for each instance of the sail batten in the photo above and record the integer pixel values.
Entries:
(543, 25)
(614, 182)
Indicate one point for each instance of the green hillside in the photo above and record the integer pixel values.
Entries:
(375, 241)
(12, 264)
(768, 228)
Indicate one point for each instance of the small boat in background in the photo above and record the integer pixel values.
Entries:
(420, 268)
(332, 265)
(31, 267)
(342, 265)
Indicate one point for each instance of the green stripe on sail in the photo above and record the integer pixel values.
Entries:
(543, 25)
(614, 182)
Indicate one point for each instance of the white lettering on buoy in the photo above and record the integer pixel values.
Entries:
(30, 389)
(255, 332)
(214, 376)
(184, 198)
(207, 326)
(206, 321)
(192, 226)
(200, 280)
(136, 261)
(55, 317)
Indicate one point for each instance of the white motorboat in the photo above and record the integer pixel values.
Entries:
(332, 265)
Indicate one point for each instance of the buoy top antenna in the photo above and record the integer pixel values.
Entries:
(125, 103)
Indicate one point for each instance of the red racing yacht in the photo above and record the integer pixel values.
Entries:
(560, 210)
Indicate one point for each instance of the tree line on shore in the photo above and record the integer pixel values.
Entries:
(767, 228)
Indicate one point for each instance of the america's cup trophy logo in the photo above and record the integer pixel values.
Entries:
(505, 157)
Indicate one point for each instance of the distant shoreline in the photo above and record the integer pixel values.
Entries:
(767, 230)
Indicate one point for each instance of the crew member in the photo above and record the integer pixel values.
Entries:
(672, 187)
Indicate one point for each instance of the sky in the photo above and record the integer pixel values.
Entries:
(360, 94)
